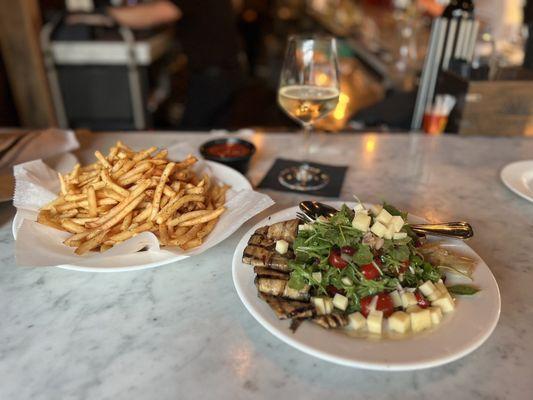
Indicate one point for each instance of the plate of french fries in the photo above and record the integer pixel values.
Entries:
(129, 210)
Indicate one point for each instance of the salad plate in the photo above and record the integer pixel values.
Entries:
(518, 177)
(459, 333)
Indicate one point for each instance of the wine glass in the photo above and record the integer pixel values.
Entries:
(308, 90)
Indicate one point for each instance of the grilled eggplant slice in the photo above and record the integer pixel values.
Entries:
(261, 257)
(331, 321)
(264, 272)
(261, 241)
(287, 309)
(280, 288)
(286, 230)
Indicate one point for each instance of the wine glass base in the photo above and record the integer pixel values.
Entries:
(303, 178)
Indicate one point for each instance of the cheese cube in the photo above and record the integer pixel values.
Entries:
(340, 302)
(317, 276)
(319, 304)
(441, 286)
(427, 288)
(435, 295)
(436, 315)
(420, 320)
(356, 321)
(361, 222)
(408, 299)
(376, 209)
(396, 299)
(443, 289)
(396, 222)
(378, 229)
(384, 217)
(399, 322)
(359, 207)
(328, 305)
(282, 246)
(347, 281)
(374, 321)
(399, 235)
(412, 309)
(388, 234)
(305, 227)
(445, 303)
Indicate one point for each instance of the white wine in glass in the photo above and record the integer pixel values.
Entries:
(308, 91)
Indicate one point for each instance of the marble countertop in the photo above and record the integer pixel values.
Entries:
(181, 332)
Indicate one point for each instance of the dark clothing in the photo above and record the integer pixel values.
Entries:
(208, 33)
(210, 95)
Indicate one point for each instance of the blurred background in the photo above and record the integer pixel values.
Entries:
(110, 65)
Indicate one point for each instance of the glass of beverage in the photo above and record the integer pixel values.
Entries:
(308, 90)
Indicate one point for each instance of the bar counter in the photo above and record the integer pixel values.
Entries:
(180, 331)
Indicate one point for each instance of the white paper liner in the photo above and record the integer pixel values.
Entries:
(40, 246)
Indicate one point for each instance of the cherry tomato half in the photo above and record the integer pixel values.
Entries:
(404, 266)
(332, 290)
(422, 301)
(348, 250)
(370, 271)
(384, 303)
(335, 260)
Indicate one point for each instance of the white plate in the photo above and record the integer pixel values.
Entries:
(518, 177)
(146, 259)
(460, 333)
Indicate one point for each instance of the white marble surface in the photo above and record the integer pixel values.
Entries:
(180, 331)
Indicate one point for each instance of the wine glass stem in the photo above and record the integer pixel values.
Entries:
(306, 151)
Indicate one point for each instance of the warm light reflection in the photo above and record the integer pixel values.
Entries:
(340, 111)
(322, 79)
(370, 145)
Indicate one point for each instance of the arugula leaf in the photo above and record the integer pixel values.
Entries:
(296, 282)
(343, 217)
(465, 290)
(400, 253)
(394, 211)
(363, 255)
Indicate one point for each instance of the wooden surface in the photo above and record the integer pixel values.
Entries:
(498, 108)
(20, 24)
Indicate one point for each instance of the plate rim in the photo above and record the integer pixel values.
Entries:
(350, 362)
(504, 176)
(136, 267)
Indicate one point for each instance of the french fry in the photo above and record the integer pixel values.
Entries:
(206, 230)
(191, 244)
(174, 205)
(159, 189)
(112, 185)
(126, 222)
(72, 227)
(144, 154)
(204, 218)
(63, 184)
(187, 216)
(90, 244)
(91, 199)
(121, 214)
(75, 240)
(45, 218)
(122, 205)
(163, 234)
(182, 239)
(144, 215)
(102, 159)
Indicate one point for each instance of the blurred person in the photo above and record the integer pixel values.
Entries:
(208, 34)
